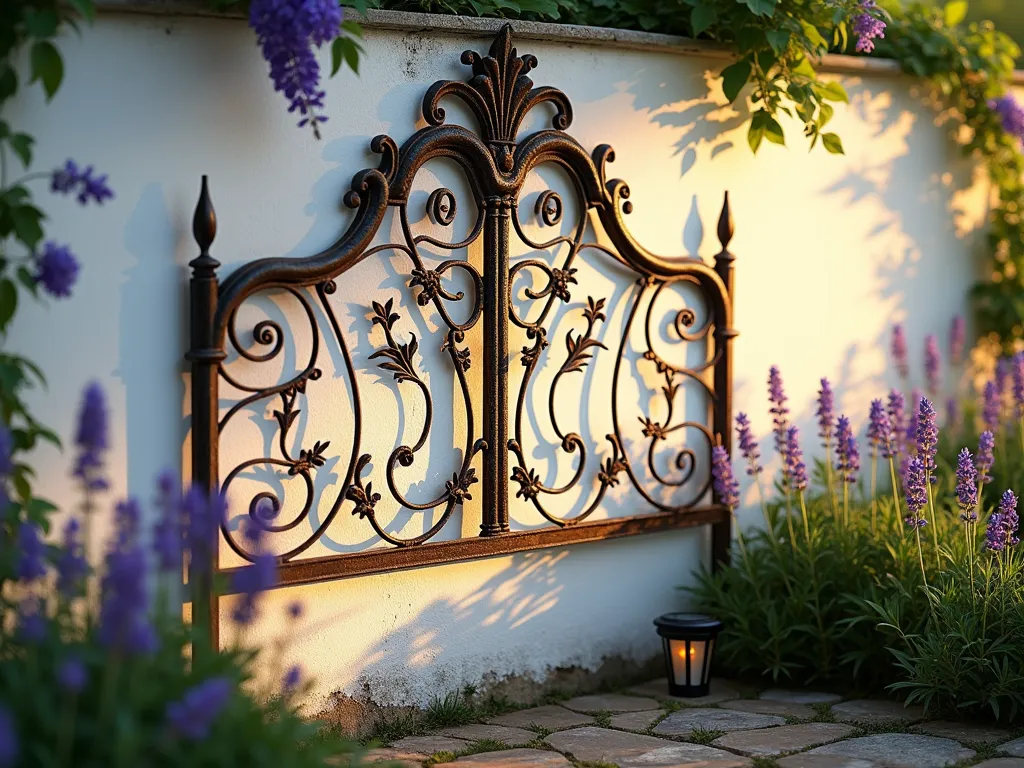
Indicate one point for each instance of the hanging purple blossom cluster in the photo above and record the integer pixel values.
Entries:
(867, 26)
(288, 32)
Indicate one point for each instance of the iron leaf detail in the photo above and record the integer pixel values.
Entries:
(529, 483)
(314, 457)
(365, 499)
(610, 470)
(458, 488)
(430, 281)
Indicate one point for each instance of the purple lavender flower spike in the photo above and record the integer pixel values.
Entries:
(31, 621)
(91, 437)
(168, 533)
(991, 406)
(726, 487)
(256, 578)
(748, 445)
(8, 738)
(72, 675)
(1002, 376)
(867, 27)
(779, 411)
(292, 678)
(932, 365)
(287, 31)
(966, 486)
(1017, 369)
(880, 431)
(203, 516)
(56, 269)
(927, 436)
(193, 716)
(897, 409)
(1010, 113)
(957, 340)
(72, 567)
(915, 479)
(6, 452)
(124, 623)
(986, 456)
(899, 352)
(826, 411)
(916, 396)
(952, 413)
(68, 178)
(847, 453)
(1002, 525)
(31, 553)
(794, 470)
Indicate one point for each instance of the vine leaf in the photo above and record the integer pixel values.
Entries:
(833, 143)
(760, 7)
(734, 77)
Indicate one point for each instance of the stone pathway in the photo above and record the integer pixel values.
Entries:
(732, 727)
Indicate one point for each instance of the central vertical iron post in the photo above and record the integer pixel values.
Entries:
(496, 313)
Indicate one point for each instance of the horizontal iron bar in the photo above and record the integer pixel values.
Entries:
(315, 570)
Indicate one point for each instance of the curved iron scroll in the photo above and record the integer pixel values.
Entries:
(496, 162)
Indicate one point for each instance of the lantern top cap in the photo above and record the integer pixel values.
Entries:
(682, 623)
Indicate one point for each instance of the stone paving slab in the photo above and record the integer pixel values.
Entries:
(949, 729)
(551, 717)
(772, 742)
(1001, 762)
(769, 707)
(800, 697)
(401, 757)
(899, 750)
(875, 711)
(1015, 748)
(598, 744)
(720, 691)
(807, 760)
(516, 758)
(683, 722)
(428, 745)
(685, 756)
(513, 737)
(636, 721)
(610, 702)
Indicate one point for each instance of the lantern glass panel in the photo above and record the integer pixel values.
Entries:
(696, 651)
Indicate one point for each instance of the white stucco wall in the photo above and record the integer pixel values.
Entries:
(831, 251)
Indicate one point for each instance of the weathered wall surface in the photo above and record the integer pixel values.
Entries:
(831, 251)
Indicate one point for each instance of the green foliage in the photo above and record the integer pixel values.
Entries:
(704, 735)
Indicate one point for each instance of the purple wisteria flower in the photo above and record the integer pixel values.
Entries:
(726, 487)
(69, 178)
(794, 470)
(932, 365)
(91, 437)
(880, 431)
(826, 412)
(986, 456)
(957, 340)
(748, 445)
(6, 452)
(897, 409)
(927, 436)
(1002, 525)
(867, 27)
(779, 411)
(72, 566)
(193, 715)
(56, 269)
(1017, 369)
(847, 453)
(915, 479)
(292, 678)
(72, 675)
(899, 351)
(287, 31)
(966, 486)
(31, 553)
(8, 737)
(991, 406)
(1011, 114)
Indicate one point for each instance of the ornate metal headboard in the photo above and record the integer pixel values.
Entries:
(496, 164)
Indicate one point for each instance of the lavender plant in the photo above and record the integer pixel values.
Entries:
(99, 669)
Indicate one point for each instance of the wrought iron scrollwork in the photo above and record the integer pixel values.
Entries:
(497, 163)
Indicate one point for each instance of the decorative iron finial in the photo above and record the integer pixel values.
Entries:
(204, 230)
(726, 227)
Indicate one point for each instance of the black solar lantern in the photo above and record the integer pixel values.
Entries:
(689, 640)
